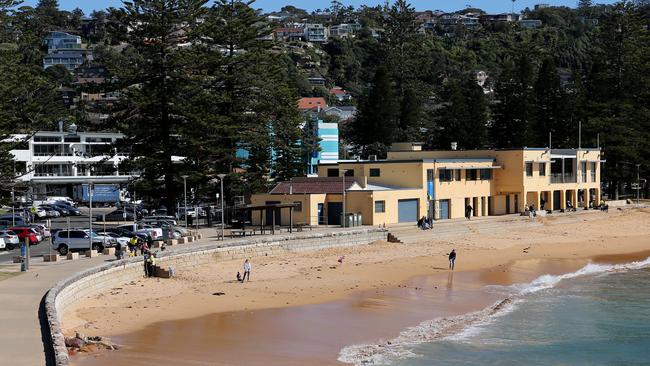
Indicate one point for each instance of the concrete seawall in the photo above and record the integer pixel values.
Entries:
(185, 257)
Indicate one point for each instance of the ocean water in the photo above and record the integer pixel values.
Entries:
(599, 315)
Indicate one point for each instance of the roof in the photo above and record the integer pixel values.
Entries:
(311, 103)
(317, 185)
(338, 91)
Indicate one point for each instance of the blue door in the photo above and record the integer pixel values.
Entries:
(444, 209)
(407, 210)
(334, 211)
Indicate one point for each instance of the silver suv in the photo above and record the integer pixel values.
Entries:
(66, 240)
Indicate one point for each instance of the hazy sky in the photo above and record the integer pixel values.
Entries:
(493, 6)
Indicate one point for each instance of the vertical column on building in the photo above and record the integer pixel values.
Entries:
(549, 202)
(562, 199)
(574, 197)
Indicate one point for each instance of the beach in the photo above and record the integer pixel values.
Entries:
(305, 307)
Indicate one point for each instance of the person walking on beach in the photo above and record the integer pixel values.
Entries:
(247, 270)
(468, 212)
(452, 259)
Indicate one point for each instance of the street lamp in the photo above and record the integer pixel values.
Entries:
(185, 191)
(223, 209)
(90, 215)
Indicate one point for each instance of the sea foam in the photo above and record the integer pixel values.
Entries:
(463, 326)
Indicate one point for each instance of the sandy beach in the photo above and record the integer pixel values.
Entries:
(304, 307)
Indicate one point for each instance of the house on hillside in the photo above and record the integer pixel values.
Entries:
(308, 104)
(342, 112)
(65, 49)
(340, 94)
(316, 33)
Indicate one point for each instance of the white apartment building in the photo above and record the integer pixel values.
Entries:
(55, 162)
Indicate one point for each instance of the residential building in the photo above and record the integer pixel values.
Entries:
(530, 23)
(328, 152)
(316, 80)
(62, 41)
(307, 104)
(344, 30)
(504, 17)
(316, 33)
(411, 183)
(56, 162)
(64, 49)
(70, 60)
(342, 112)
(340, 94)
(289, 34)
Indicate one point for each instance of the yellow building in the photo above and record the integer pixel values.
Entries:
(411, 183)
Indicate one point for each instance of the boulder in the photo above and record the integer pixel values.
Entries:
(74, 342)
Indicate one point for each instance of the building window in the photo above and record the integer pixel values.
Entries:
(542, 169)
(298, 207)
(47, 139)
(332, 173)
(486, 174)
(529, 169)
(374, 172)
(583, 167)
(380, 206)
(457, 173)
(593, 171)
(445, 175)
(349, 173)
(471, 174)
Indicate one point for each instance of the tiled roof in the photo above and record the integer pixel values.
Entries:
(313, 185)
(311, 103)
(338, 91)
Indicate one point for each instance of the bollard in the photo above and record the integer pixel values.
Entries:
(23, 255)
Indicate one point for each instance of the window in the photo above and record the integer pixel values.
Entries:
(72, 139)
(471, 174)
(445, 175)
(47, 139)
(583, 167)
(77, 234)
(593, 171)
(486, 174)
(298, 207)
(349, 173)
(542, 169)
(332, 173)
(375, 172)
(529, 169)
(457, 172)
(380, 206)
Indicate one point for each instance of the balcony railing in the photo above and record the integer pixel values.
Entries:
(563, 178)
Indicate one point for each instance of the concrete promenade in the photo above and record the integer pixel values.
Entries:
(21, 340)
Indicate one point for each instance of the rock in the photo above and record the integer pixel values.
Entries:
(80, 336)
(74, 342)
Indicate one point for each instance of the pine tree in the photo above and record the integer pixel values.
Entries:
(154, 73)
(374, 128)
(549, 108)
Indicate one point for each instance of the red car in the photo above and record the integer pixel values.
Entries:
(25, 232)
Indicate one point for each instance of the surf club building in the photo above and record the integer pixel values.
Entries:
(411, 183)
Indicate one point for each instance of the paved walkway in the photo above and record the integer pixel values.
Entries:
(21, 341)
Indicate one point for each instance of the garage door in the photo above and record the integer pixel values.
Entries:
(407, 210)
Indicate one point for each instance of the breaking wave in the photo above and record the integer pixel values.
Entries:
(462, 326)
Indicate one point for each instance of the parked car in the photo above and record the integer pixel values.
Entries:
(10, 238)
(123, 240)
(140, 228)
(50, 211)
(60, 209)
(126, 233)
(74, 239)
(2, 244)
(41, 213)
(160, 218)
(16, 221)
(73, 211)
(117, 215)
(42, 230)
(178, 231)
(107, 240)
(26, 232)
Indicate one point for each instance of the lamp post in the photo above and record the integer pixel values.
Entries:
(185, 192)
(343, 217)
(223, 209)
(90, 215)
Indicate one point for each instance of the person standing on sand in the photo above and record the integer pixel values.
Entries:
(247, 270)
(452, 259)
(468, 212)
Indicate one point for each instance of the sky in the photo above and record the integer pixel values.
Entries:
(491, 6)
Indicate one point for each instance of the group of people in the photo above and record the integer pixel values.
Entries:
(247, 272)
(425, 223)
(136, 245)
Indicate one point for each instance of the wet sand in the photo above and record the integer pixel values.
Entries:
(382, 301)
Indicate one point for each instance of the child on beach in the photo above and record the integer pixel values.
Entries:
(452, 259)
(247, 270)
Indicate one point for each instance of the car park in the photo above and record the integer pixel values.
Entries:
(73, 240)
(10, 239)
(24, 232)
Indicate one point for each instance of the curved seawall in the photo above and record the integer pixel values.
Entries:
(184, 257)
